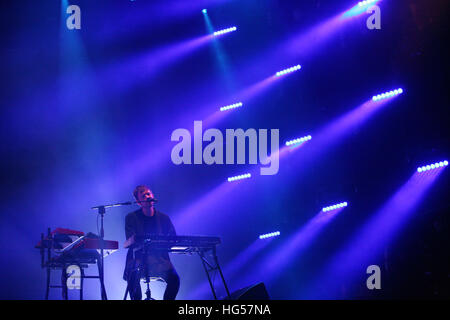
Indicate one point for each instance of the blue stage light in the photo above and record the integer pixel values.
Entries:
(334, 207)
(298, 140)
(288, 70)
(387, 94)
(239, 177)
(231, 106)
(366, 2)
(269, 235)
(433, 166)
(205, 11)
(227, 30)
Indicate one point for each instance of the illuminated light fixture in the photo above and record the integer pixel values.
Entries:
(175, 248)
(204, 11)
(298, 140)
(288, 70)
(270, 235)
(240, 177)
(433, 166)
(231, 106)
(227, 30)
(334, 207)
(366, 2)
(387, 94)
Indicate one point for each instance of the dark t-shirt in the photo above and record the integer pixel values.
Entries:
(138, 224)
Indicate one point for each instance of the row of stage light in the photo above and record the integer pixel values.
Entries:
(332, 208)
(278, 74)
(419, 169)
(378, 97)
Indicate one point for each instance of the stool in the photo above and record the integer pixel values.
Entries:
(147, 291)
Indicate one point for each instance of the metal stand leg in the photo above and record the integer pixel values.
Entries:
(81, 282)
(47, 290)
(65, 293)
(148, 293)
(126, 291)
(102, 283)
(221, 274)
(205, 266)
(144, 264)
(46, 244)
(211, 268)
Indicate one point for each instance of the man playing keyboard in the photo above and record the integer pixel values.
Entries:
(148, 220)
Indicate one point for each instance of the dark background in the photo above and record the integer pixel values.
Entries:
(84, 121)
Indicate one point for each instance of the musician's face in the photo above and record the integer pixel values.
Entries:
(143, 195)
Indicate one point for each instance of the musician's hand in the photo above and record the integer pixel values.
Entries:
(130, 241)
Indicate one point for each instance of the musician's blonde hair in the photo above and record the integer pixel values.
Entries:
(136, 190)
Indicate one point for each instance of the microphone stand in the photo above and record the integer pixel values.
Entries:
(101, 212)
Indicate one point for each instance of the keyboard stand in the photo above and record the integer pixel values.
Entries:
(212, 266)
(50, 264)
